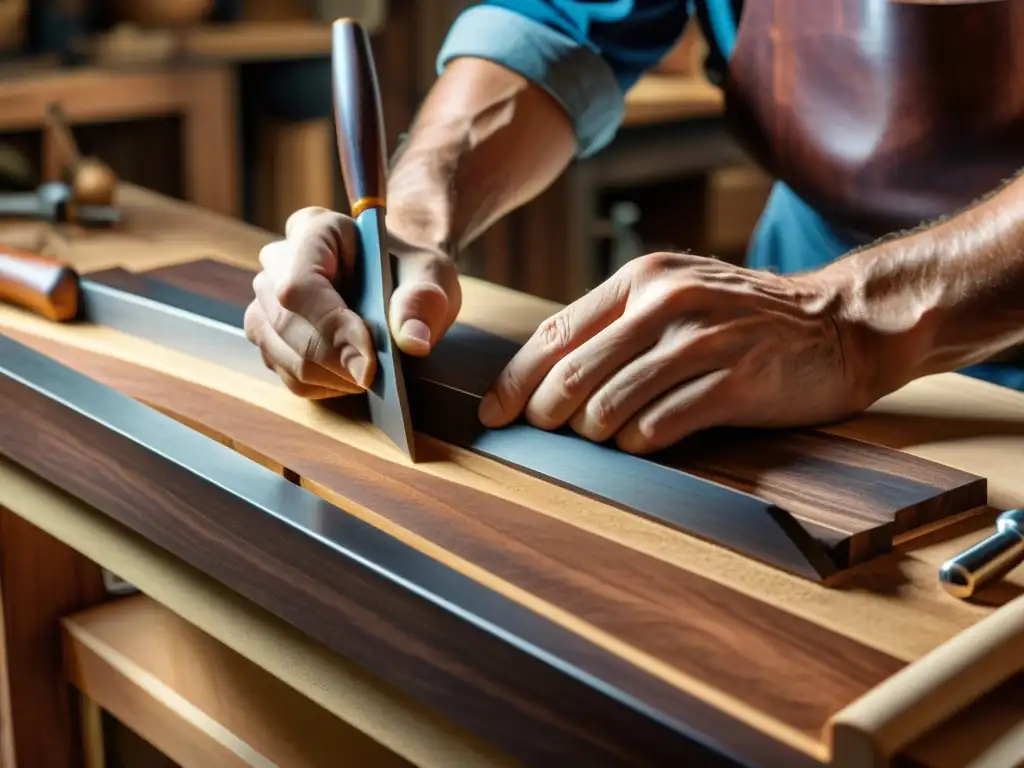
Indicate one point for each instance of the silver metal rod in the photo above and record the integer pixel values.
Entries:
(988, 560)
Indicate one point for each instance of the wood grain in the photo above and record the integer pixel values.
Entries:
(347, 584)
(860, 605)
(873, 112)
(616, 596)
(852, 496)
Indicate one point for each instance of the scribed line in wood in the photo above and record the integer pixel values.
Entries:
(350, 585)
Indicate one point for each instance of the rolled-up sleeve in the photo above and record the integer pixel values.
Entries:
(585, 54)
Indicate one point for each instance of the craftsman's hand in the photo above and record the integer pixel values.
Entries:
(318, 346)
(672, 344)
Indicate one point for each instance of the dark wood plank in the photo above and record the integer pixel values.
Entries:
(206, 276)
(852, 496)
(494, 667)
(41, 580)
(737, 644)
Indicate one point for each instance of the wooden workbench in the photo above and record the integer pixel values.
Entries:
(729, 633)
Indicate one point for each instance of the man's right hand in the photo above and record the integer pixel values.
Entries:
(317, 345)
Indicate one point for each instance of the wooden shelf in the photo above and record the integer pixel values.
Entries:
(235, 42)
(670, 98)
(204, 96)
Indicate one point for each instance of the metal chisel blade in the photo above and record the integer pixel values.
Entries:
(388, 402)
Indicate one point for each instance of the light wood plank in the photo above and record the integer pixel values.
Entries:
(198, 701)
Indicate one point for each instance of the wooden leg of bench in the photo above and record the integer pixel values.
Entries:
(41, 580)
(93, 749)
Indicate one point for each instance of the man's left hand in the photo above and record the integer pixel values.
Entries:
(672, 344)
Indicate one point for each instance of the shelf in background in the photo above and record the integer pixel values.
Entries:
(670, 98)
(232, 42)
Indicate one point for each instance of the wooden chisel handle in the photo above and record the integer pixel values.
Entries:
(38, 283)
(358, 117)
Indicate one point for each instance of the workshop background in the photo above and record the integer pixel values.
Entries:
(226, 103)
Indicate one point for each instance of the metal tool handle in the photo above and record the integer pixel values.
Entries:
(965, 574)
(358, 116)
(38, 283)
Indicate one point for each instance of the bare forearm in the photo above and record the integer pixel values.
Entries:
(944, 297)
(485, 141)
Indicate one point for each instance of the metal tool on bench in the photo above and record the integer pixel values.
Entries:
(92, 181)
(988, 560)
(54, 201)
(55, 291)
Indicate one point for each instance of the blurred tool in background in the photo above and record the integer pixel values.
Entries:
(92, 181)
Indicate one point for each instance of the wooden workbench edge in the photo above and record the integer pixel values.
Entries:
(872, 730)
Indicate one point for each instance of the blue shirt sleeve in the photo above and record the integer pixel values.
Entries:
(585, 54)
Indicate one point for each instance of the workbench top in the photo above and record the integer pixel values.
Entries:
(782, 657)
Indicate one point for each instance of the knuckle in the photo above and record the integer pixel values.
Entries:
(291, 295)
(272, 254)
(302, 218)
(647, 431)
(258, 283)
(677, 292)
(569, 377)
(510, 385)
(555, 332)
(651, 264)
(267, 253)
(312, 349)
(600, 412)
(333, 322)
(279, 322)
(252, 321)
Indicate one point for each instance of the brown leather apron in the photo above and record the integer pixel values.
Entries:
(881, 114)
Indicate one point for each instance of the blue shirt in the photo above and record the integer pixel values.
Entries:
(587, 55)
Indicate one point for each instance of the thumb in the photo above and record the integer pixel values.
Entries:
(425, 303)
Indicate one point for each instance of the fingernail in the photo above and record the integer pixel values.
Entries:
(490, 410)
(356, 367)
(415, 333)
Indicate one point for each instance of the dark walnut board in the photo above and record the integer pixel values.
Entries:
(852, 496)
(759, 666)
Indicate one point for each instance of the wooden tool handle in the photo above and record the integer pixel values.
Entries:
(59, 125)
(358, 117)
(41, 284)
